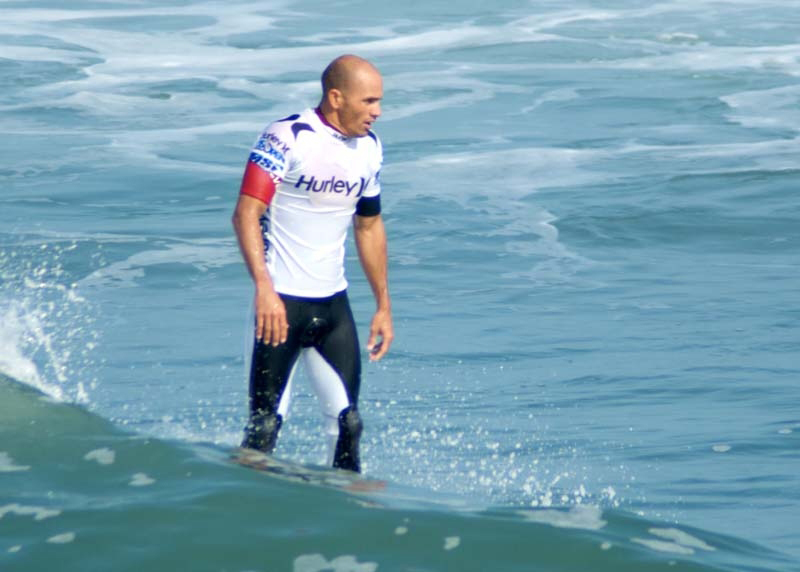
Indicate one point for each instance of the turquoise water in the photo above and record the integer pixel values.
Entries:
(594, 252)
(95, 498)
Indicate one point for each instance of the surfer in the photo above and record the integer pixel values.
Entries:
(307, 177)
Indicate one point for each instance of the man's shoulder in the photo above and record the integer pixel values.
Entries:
(291, 126)
(372, 146)
(374, 137)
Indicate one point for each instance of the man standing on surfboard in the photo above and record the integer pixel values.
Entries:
(307, 177)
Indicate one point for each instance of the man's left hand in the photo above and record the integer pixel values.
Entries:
(381, 335)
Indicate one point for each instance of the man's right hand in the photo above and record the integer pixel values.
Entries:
(271, 325)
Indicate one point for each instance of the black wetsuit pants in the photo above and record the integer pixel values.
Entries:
(323, 327)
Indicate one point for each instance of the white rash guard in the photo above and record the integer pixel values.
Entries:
(321, 178)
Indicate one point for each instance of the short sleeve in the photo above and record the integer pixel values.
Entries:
(266, 165)
(271, 152)
(369, 204)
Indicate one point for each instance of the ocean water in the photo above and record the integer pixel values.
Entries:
(594, 246)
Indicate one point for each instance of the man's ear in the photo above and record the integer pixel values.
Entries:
(335, 98)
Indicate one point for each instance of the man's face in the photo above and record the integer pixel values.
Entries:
(360, 104)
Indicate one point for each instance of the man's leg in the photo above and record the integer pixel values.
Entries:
(340, 351)
(271, 370)
(331, 395)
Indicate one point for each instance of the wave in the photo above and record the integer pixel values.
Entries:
(81, 494)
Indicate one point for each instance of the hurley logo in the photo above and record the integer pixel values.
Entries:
(332, 185)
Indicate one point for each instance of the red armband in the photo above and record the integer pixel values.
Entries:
(257, 183)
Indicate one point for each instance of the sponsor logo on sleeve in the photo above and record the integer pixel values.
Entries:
(270, 140)
(269, 153)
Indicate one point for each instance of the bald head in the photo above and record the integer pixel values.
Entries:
(352, 89)
(342, 71)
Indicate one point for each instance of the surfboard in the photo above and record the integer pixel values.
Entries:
(312, 475)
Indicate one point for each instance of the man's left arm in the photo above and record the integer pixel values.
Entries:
(370, 236)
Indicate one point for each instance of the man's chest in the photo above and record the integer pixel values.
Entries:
(329, 172)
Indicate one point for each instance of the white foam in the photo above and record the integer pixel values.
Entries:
(681, 537)
(679, 37)
(526, 169)
(13, 361)
(38, 513)
(771, 108)
(663, 546)
(710, 58)
(7, 464)
(42, 54)
(538, 23)
(695, 58)
(14, 549)
(556, 95)
(584, 517)
(103, 456)
(452, 542)
(141, 480)
(768, 155)
(318, 563)
(140, 57)
(40, 319)
(201, 254)
(64, 538)
(468, 90)
(401, 530)
(721, 448)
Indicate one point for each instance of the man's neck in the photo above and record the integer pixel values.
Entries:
(329, 119)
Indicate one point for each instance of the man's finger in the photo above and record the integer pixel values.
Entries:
(374, 350)
(372, 342)
(283, 327)
(269, 328)
(387, 342)
(380, 349)
(275, 334)
(377, 351)
(259, 328)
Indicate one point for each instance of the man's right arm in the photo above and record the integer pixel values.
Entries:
(270, 313)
